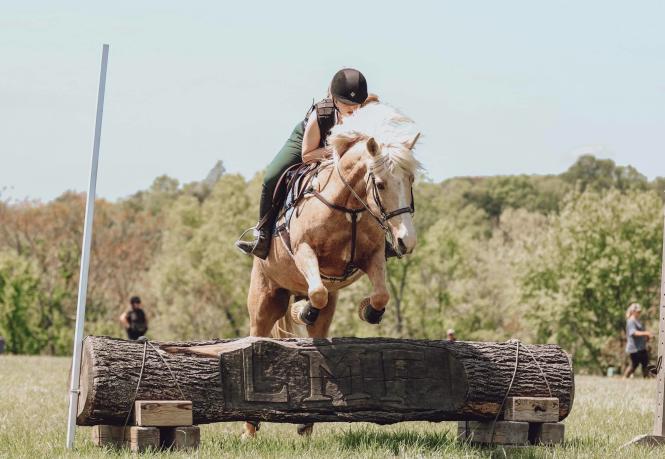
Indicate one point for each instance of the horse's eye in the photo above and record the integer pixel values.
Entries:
(381, 186)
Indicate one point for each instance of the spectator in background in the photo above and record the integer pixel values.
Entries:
(134, 319)
(451, 335)
(636, 341)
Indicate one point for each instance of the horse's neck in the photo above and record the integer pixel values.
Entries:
(352, 166)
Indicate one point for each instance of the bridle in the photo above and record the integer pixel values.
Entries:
(383, 216)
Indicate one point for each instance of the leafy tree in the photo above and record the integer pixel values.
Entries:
(200, 280)
(600, 254)
(592, 173)
(19, 292)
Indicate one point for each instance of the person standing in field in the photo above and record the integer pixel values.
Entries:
(134, 319)
(636, 344)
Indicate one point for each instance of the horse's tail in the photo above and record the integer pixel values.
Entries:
(287, 328)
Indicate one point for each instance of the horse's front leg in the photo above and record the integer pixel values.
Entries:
(306, 312)
(372, 308)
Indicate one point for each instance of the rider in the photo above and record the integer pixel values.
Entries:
(307, 143)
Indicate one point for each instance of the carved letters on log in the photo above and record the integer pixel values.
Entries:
(369, 377)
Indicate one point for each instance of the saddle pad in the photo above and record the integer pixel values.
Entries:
(297, 179)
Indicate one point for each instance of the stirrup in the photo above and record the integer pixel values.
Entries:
(259, 247)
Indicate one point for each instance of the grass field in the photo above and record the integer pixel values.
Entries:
(33, 406)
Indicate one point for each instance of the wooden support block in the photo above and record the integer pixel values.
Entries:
(505, 432)
(163, 413)
(104, 435)
(143, 438)
(531, 409)
(547, 433)
(184, 437)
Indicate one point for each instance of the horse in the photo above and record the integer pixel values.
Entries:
(337, 231)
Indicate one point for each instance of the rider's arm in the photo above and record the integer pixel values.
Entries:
(311, 152)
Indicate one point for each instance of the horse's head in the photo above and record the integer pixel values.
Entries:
(384, 139)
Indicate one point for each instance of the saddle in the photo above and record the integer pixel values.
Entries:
(297, 181)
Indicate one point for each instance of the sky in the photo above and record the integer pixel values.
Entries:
(509, 87)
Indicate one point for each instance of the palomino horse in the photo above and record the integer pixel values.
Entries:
(338, 230)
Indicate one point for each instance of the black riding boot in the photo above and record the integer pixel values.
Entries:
(260, 246)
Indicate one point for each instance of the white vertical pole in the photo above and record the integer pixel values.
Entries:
(659, 423)
(85, 256)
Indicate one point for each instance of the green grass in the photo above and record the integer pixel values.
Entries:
(33, 410)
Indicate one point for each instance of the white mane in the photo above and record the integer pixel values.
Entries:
(392, 130)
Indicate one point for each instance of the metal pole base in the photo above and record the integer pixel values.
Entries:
(646, 440)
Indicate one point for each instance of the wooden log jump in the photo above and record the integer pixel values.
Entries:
(304, 380)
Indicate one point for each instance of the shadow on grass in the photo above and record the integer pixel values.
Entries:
(395, 442)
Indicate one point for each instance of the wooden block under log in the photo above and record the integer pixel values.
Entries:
(183, 437)
(143, 438)
(532, 409)
(505, 432)
(547, 433)
(105, 435)
(163, 413)
(304, 380)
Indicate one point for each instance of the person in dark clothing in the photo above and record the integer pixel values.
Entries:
(636, 342)
(134, 319)
(307, 143)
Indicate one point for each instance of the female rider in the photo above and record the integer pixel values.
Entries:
(307, 143)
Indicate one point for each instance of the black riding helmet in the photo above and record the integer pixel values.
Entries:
(349, 86)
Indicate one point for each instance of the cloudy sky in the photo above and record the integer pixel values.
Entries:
(496, 87)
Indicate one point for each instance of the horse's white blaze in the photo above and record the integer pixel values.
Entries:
(401, 226)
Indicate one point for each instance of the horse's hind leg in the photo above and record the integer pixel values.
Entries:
(320, 330)
(266, 304)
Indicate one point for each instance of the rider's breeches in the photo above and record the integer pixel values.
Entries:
(289, 155)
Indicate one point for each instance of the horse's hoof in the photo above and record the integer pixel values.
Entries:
(303, 313)
(251, 427)
(305, 429)
(369, 314)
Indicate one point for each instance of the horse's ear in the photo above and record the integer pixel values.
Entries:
(412, 143)
(342, 142)
(372, 147)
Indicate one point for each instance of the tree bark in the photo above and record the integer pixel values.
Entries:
(376, 380)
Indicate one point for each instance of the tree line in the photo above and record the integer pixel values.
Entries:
(553, 258)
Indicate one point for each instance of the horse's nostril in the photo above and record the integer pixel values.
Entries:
(402, 245)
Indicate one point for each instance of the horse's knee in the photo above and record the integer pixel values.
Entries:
(318, 296)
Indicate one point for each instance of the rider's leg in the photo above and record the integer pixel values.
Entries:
(290, 154)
